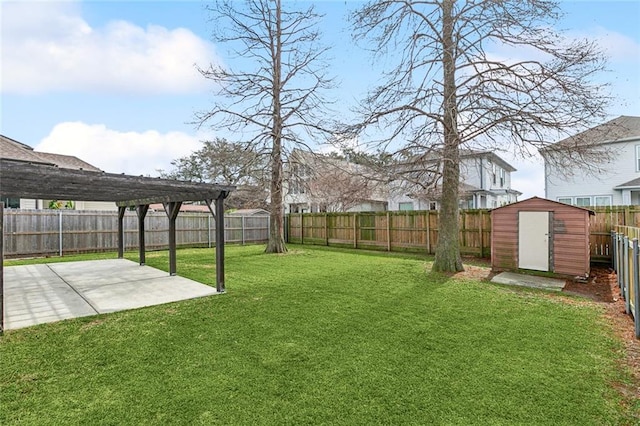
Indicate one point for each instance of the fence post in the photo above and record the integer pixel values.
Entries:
(636, 287)
(619, 258)
(628, 276)
(388, 231)
(621, 261)
(301, 229)
(480, 218)
(625, 275)
(209, 231)
(242, 227)
(428, 214)
(326, 228)
(60, 232)
(613, 251)
(355, 230)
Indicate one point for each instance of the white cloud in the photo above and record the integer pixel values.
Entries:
(618, 47)
(48, 46)
(113, 151)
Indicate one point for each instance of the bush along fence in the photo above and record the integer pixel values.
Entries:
(417, 231)
(626, 263)
(58, 232)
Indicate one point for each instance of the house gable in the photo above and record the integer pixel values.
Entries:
(613, 184)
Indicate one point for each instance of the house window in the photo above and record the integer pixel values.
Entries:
(493, 173)
(637, 158)
(502, 178)
(433, 205)
(405, 206)
(11, 203)
(567, 200)
(603, 201)
(466, 204)
(583, 201)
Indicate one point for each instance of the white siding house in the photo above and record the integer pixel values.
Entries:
(485, 182)
(320, 183)
(618, 182)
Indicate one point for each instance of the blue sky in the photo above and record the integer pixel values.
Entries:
(113, 82)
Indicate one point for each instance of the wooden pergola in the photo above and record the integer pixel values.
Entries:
(22, 179)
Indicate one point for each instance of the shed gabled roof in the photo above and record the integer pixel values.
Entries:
(523, 203)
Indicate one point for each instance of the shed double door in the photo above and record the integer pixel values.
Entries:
(533, 240)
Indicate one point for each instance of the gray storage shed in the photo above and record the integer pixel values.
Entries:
(541, 235)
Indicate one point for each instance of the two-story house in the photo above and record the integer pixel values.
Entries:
(615, 180)
(485, 182)
(326, 183)
(12, 149)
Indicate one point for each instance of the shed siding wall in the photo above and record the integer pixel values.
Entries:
(504, 241)
(570, 236)
(571, 242)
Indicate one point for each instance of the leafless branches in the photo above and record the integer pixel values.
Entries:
(273, 95)
(483, 74)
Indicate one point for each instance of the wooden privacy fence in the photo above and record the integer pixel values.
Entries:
(58, 232)
(415, 231)
(418, 230)
(626, 262)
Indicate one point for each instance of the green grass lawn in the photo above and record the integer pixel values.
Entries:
(319, 336)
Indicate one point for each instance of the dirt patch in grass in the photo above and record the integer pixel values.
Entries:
(91, 324)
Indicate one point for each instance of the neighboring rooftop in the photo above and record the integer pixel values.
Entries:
(25, 173)
(13, 150)
(619, 129)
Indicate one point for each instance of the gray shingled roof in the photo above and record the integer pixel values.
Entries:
(67, 161)
(13, 150)
(18, 151)
(634, 183)
(621, 128)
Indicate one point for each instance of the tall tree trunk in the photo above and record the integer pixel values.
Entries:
(448, 249)
(276, 231)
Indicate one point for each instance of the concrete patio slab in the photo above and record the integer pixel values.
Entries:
(533, 281)
(36, 294)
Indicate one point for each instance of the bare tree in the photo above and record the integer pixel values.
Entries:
(230, 162)
(338, 186)
(483, 74)
(275, 93)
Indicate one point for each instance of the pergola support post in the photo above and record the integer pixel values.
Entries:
(220, 242)
(1, 267)
(141, 211)
(218, 215)
(172, 209)
(121, 210)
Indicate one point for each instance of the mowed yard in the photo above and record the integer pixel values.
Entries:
(322, 336)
